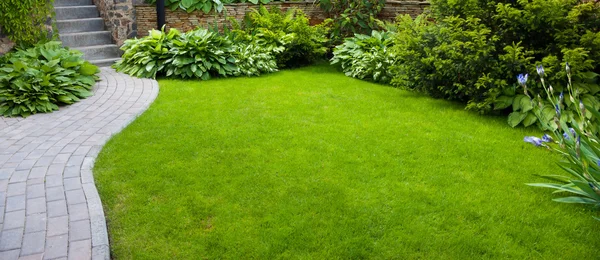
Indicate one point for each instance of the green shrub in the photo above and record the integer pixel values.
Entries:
(146, 57)
(352, 16)
(24, 21)
(303, 44)
(196, 54)
(39, 79)
(366, 57)
(451, 59)
(200, 54)
(472, 50)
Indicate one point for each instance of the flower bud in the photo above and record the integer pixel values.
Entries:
(540, 71)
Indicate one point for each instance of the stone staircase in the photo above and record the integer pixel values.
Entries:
(80, 27)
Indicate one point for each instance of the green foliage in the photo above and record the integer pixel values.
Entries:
(196, 54)
(352, 16)
(476, 47)
(450, 59)
(23, 21)
(204, 5)
(39, 79)
(200, 54)
(366, 57)
(579, 146)
(303, 44)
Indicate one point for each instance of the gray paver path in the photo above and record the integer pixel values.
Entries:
(49, 205)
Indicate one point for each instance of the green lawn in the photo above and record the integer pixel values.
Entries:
(310, 164)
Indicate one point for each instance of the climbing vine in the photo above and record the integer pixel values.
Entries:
(24, 21)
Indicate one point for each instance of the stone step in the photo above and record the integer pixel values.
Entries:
(80, 25)
(72, 2)
(99, 52)
(85, 38)
(76, 12)
(104, 62)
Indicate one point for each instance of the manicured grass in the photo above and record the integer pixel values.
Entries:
(310, 164)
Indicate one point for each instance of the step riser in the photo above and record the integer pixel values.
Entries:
(79, 12)
(89, 39)
(72, 2)
(68, 26)
(100, 53)
(103, 63)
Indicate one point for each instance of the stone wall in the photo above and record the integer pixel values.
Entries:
(119, 18)
(5, 44)
(183, 21)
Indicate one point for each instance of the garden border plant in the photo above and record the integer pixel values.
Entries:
(40, 78)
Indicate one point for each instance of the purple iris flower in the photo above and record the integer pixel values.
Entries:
(522, 79)
(546, 138)
(540, 70)
(561, 97)
(533, 140)
(557, 108)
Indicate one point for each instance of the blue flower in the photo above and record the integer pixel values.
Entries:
(557, 108)
(546, 138)
(540, 70)
(561, 97)
(598, 163)
(522, 79)
(566, 136)
(533, 140)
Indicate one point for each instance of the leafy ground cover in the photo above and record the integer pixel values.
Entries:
(309, 163)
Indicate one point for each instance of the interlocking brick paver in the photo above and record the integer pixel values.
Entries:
(80, 250)
(57, 208)
(37, 205)
(15, 219)
(11, 239)
(35, 191)
(33, 243)
(55, 193)
(16, 188)
(56, 247)
(58, 226)
(78, 212)
(15, 203)
(46, 163)
(35, 223)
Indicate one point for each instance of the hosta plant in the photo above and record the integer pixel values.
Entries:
(579, 144)
(253, 60)
(201, 54)
(146, 57)
(366, 57)
(39, 79)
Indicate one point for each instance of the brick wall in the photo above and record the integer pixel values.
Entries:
(119, 18)
(183, 21)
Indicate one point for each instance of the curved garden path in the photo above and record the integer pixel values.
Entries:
(49, 205)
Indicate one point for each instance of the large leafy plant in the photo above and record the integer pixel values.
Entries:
(41, 78)
(579, 145)
(366, 57)
(302, 43)
(352, 16)
(196, 54)
(146, 57)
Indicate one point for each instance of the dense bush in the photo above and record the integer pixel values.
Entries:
(39, 79)
(195, 54)
(303, 44)
(24, 21)
(474, 47)
(352, 16)
(366, 57)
